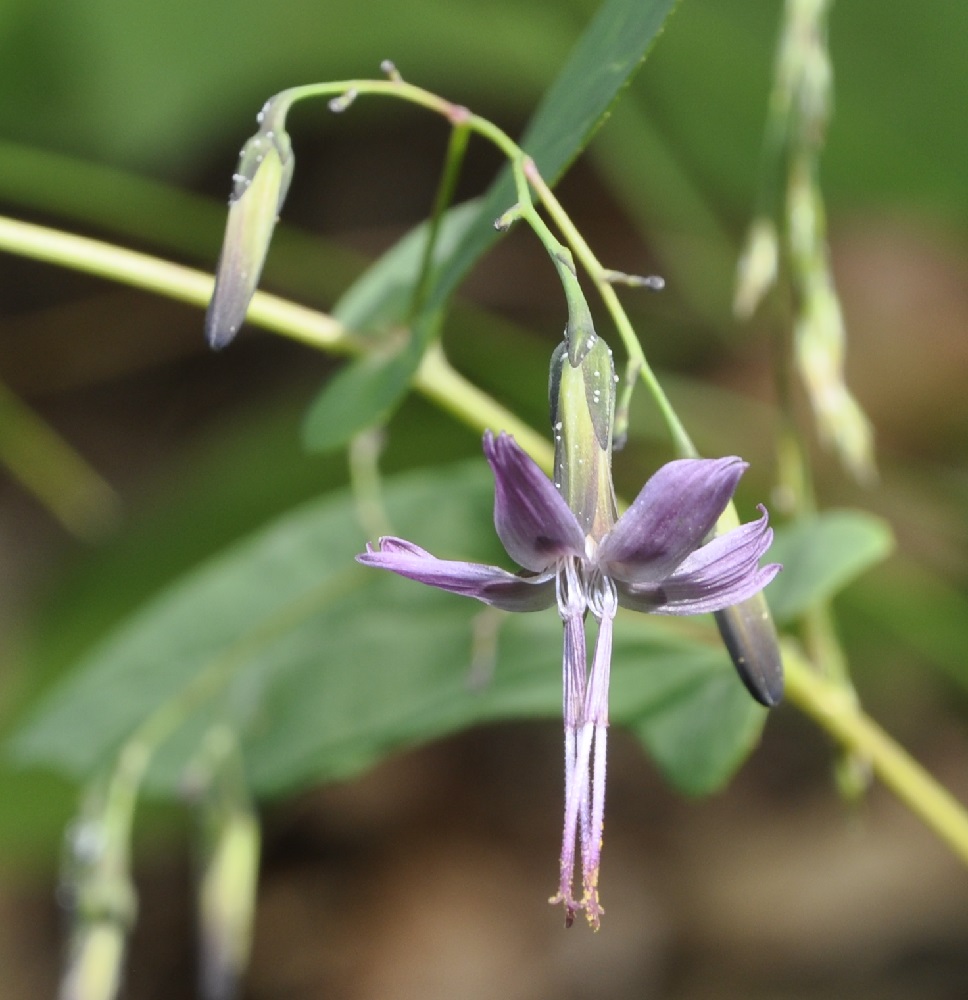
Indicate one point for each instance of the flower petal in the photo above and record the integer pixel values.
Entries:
(489, 584)
(530, 515)
(669, 519)
(718, 575)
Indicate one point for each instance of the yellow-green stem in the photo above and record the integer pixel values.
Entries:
(836, 710)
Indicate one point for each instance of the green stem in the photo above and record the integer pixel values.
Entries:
(440, 383)
(836, 710)
(278, 107)
(456, 150)
(104, 260)
(366, 483)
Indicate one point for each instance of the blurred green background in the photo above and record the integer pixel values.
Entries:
(123, 120)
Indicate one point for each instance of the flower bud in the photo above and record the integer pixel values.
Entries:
(94, 966)
(261, 182)
(757, 267)
(227, 903)
(749, 635)
(97, 888)
(748, 632)
(819, 347)
(582, 413)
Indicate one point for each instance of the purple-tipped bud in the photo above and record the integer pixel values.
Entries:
(749, 635)
(261, 181)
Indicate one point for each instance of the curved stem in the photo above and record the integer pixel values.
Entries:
(453, 161)
(836, 710)
(446, 387)
(680, 436)
(277, 108)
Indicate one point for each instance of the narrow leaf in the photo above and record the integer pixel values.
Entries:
(362, 394)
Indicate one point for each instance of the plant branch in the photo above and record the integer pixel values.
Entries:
(835, 709)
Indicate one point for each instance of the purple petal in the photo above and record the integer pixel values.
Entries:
(669, 519)
(489, 584)
(718, 575)
(530, 515)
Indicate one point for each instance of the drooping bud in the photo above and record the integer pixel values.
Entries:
(97, 887)
(227, 902)
(94, 964)
(261, 182)
(749, 634)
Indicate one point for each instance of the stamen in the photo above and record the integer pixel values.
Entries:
(592, 846)
(604, 603)
(576, 796)
(570, 590)
(571, 607)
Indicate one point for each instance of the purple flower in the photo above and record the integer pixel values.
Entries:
(651, 559)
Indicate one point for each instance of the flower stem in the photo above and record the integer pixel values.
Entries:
(128, 267)
(680, 437)
(446, 387)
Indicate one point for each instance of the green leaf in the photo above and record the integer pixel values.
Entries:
(368, 390)
(362, 394)
(917, 614)
(382, 295)
(325, 667)
(821, 555)
(706, 723)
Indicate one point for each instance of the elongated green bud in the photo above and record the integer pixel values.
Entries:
(757, 268)
(261, 182)
(582, 398)
(94, 966)
(103, 902)
(227, 903)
